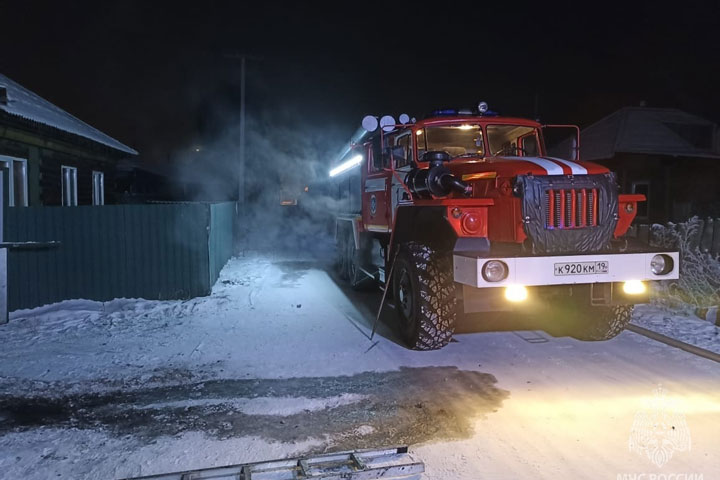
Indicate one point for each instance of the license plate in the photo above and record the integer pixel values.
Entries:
(582, 268)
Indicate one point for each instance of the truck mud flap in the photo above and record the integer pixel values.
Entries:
(389, 463)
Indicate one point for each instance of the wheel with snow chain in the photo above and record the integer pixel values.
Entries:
(424, 293)
(602, 323)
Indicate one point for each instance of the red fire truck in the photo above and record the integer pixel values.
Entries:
(464, 212)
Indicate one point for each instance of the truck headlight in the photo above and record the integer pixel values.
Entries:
(661, 264)
(494, 271)
(634, 287)
(516, 293)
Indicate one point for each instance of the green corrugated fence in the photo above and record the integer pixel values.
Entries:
(159, 251)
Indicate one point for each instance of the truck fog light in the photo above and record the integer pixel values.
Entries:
(516, 293)
(495, 271)
(471, 223)
(634, 287)
(661, 264)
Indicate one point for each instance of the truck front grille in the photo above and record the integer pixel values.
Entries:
(571, 208)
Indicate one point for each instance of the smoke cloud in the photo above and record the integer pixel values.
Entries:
(287, 159)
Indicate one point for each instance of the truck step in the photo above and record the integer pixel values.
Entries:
(389, 463)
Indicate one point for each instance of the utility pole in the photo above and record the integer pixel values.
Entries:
(240, 224)
(241, 166)
(243, 58)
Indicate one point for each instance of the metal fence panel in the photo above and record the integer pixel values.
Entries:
(160, 251)
(220, 243)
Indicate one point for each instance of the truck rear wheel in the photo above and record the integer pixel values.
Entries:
(424, 294)
(602, 323)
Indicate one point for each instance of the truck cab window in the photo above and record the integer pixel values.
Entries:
(512, 140)
(377, 155)
(529, 146)
(403, 156)
(456, 140)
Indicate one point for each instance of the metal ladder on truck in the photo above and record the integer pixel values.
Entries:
(390, 463)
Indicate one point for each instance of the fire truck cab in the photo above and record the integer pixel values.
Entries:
(464, 212)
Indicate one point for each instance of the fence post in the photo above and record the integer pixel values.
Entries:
(3, 256)
(715, 243)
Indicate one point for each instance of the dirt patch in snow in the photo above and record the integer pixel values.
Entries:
(407, 406)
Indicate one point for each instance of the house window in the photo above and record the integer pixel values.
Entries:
(643, 188)
(98, 188)
(17, 180)
(69, 186)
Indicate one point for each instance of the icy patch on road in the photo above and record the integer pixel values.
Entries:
(678, 325)
(281, 406)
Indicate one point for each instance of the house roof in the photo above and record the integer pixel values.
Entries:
(655, 131)
(23, 103)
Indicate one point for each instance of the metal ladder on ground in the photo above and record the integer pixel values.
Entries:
(389, 463)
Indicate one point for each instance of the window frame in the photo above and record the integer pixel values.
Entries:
(536, 132)
(10, 161)
(648, 197)
(74, 201)
(410, 153)
(98, 201)
(424, 135)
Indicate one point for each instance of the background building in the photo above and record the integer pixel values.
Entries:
(51, 157)
(670, 156)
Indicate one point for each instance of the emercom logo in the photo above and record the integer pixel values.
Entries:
(658, 431)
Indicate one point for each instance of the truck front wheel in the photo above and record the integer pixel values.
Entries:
(424, 296)
(602, 323)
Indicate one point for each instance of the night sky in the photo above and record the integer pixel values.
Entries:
(157, 75)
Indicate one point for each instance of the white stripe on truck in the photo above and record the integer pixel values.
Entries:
(550, 167)
(576, 168)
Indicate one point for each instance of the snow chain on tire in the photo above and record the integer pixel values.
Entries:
(432, 322)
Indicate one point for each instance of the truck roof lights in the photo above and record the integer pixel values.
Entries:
(444, 112)
(482, 107)
(346, 165)
(404, 118)
(387, 123)
(370, 123)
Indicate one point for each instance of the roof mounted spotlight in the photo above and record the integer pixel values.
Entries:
(370, 123)
(482, 107)
(404, 118)
(387, 123)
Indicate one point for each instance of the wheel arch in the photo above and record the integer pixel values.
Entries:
(427, 225)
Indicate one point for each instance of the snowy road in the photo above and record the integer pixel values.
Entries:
(278, 362)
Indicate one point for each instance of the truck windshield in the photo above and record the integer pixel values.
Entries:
(456, 140)
(513, 140)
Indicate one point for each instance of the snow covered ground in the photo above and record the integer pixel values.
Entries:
(682, 326)
(278, 362)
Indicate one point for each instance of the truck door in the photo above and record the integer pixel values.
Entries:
(376, 207)
(403, 159)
